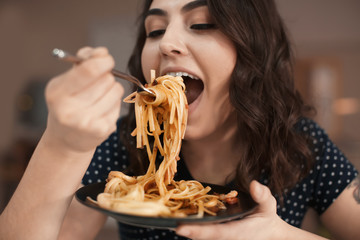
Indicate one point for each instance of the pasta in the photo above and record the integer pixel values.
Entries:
(163, 118)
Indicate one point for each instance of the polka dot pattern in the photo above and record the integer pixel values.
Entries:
(107, 157)
(331, 173)
(131, 232)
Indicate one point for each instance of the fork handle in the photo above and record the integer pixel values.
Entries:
(65, 56)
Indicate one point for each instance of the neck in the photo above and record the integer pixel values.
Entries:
(213, 159)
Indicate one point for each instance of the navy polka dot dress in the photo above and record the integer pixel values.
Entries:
(331, 173)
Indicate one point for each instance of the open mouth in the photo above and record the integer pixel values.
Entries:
(194, 85)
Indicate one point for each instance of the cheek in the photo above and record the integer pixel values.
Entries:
(219, 58)
(220, 69)
(148, 61)
(226, 60)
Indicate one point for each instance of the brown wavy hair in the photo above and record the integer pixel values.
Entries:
(262, 92)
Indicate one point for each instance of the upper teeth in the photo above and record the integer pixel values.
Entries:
(180, 74)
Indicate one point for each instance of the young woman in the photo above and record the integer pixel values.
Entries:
(246, 125)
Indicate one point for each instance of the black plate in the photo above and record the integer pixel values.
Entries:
(244, 207)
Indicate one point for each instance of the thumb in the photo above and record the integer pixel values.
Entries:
(262, 195)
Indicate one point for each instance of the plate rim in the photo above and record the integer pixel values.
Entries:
(161, 222)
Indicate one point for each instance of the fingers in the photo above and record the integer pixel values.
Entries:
(88, 80)
(264, 218)
(93, 92)
(208, 232)
(262, 195)
(97, 63)
(95, 118)
(84, 102)
(105, 111)
(87, 52)
(87, 72)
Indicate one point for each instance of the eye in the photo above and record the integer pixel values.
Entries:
(203, 26)
(156, 33)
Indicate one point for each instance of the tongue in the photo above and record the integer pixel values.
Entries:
(193, 89)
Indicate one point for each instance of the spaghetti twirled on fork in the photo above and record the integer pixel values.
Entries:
(163, 118)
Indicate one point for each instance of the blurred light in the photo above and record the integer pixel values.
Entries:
(346, 106)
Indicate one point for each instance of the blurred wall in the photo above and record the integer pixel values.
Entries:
(326, 32)
(29, 30)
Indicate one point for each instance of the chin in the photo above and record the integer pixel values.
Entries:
(194, 132)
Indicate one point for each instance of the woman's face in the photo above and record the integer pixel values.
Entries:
(182, 39)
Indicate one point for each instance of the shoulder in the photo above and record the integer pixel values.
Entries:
(311, 128)
(332, 171)
(320, 143)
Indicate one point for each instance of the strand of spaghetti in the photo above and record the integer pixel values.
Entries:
(143, 129)
(130, 98)
(151, 118)
(139, 124)
(157, 142)
(151, 169)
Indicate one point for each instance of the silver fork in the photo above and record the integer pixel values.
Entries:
(67, 57)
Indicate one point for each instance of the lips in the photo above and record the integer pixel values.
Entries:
(194, 85)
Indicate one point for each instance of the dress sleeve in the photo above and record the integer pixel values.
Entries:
(110, 155)
(332, 171)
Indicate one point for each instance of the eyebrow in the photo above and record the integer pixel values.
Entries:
(195, 4)
(186, 8)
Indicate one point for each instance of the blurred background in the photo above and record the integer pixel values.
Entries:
(325, 34)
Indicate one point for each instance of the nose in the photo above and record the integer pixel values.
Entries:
(172, 42)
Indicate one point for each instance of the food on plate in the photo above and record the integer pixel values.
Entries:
(160, 127)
